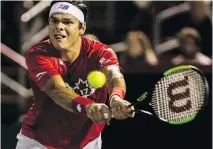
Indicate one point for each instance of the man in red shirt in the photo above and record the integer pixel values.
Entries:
(67, 112)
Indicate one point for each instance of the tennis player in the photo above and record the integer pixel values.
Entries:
(67, 112)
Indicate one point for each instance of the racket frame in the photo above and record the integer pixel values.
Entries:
(170, 72)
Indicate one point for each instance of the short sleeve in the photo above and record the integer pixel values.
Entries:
(40, 68)
(107, 57)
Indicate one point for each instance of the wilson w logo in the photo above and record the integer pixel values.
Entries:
(179, 96)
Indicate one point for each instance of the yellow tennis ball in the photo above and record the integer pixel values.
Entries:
(96, 79)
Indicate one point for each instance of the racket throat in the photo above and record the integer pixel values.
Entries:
(142, 111)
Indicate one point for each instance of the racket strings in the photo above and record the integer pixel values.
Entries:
(185, 98)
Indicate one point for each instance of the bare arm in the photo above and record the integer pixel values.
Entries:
(119, 107)
(59, 93)
(114, 78)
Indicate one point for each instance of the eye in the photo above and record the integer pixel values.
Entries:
(67, 22)
(54, 21)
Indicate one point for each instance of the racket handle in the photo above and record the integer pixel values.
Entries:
(136, 111)
(142, 111)
(106, 116)
(140, 99)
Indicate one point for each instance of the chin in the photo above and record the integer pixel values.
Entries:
(59, 46)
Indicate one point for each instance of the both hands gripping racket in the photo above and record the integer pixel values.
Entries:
(178, 96)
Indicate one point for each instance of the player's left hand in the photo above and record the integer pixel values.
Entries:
(120, 108)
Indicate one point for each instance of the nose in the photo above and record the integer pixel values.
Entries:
(60, 26)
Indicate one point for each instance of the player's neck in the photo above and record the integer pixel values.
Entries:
(72, 53)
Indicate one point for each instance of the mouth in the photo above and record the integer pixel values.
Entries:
(59, 36)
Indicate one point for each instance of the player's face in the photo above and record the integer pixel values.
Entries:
(64, 30)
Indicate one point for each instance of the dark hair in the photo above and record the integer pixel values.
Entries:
(78, 3)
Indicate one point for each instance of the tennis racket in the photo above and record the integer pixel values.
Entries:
(178, 96)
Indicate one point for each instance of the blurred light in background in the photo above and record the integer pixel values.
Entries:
(36, 38)
(28, 4)
(39, 7)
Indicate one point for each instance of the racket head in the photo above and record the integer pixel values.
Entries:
(180, 95)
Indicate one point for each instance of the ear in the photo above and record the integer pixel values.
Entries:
(83, 28)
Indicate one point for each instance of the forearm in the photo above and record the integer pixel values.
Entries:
(115, 79)
(63, 97)
(69, 99)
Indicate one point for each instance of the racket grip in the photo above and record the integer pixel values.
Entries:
(106, 116)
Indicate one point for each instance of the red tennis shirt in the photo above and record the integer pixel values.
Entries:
(47, 122)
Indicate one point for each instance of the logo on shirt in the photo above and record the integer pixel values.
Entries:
(40, 75)
(82, 87)
(61, 62)
(104, 61)
(79, 108)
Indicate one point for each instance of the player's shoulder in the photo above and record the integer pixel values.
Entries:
(42, 48)
(95, 46)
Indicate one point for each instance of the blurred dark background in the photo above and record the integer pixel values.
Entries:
(149, 37)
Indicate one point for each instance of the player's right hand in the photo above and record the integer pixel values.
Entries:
(95, 112)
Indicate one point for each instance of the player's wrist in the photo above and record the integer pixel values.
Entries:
(113, 99)
(116, 91)
(79, 104)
